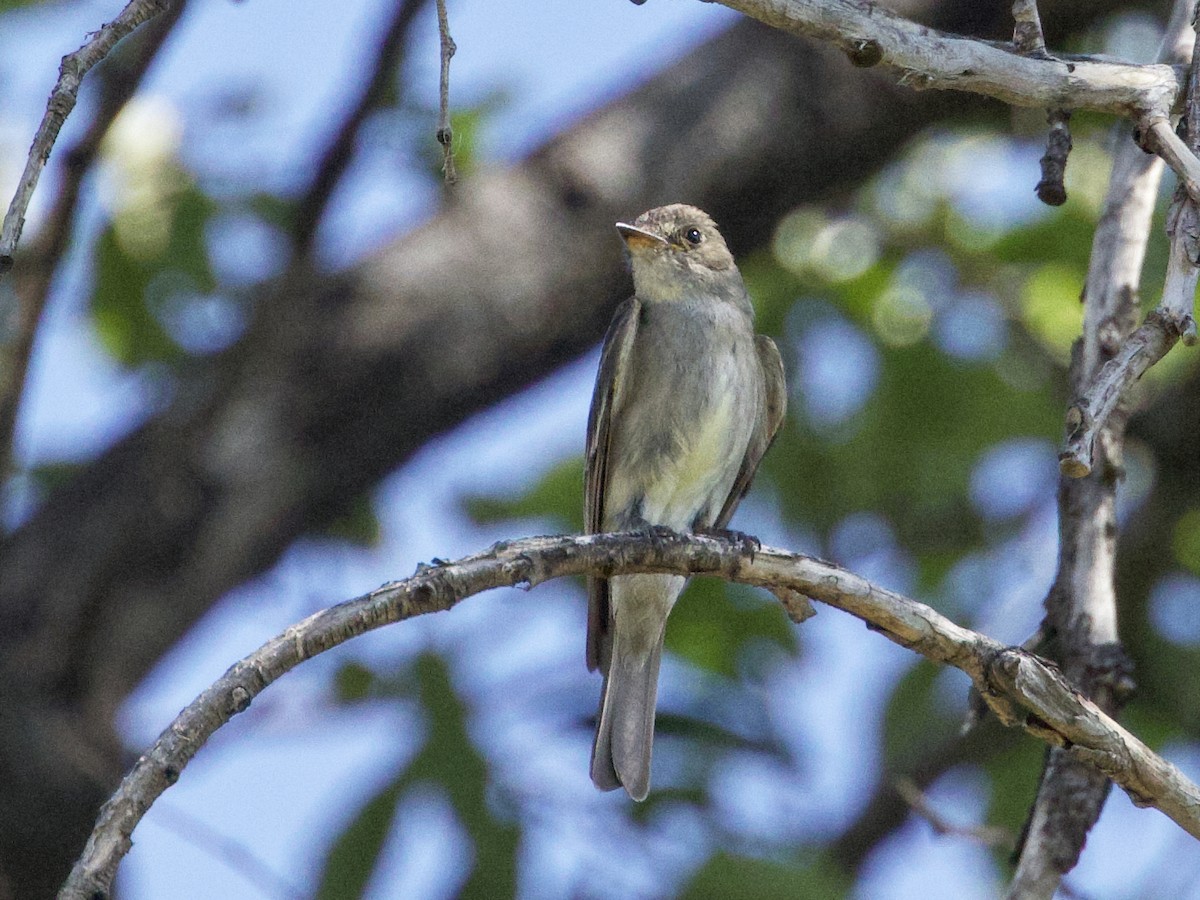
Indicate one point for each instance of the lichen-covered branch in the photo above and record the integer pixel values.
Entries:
(1022, 689)
(1087, 417)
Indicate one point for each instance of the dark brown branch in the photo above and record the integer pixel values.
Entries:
(1052, 189)
(340, 152)
(1020, 688)
(885, 811)
(988, 835)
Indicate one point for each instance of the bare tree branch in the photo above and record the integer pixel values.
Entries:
(919, 803)
(445, 134)
(33, 278)
(62, 100)
(1022, 689)
(1087, 416)
(273, 438)
(926, 58)
(886, 810)
(340, 151)
(1081, 607)
(1052, 189)
(1027, 34)
(1103, 389)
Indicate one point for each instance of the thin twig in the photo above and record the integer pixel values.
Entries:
(988, 835)
(229, 851)
(445, 134)
(1021, 689)
(1030, 41)
(1027, 32)
(340, 152)
(62, 100)
(1052, 189)
(1162, 139)
(1088, 415)
(37, 269)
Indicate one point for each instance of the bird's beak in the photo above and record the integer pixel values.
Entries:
(639, 239)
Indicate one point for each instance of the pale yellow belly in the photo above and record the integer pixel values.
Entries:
(691, 480)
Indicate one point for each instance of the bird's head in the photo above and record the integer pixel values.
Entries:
(677, 250)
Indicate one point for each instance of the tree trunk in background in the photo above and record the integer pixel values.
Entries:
(340, 379)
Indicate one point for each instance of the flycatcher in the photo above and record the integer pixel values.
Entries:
(687, 400)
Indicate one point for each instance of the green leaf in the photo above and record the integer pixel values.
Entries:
(713, 624)
(51, 476)
(274, 210)
(449, 761)
(728, 877)
(558, 496)
(354, 854)
(358, 524)
(1014, 775)
(140, 271)
(122, 318)
(353, 682)
(914, 719)
(1186, 540)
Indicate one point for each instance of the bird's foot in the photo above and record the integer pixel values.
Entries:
(659, 535)
(748, 543)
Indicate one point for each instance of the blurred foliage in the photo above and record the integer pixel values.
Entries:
(915, 718)
(449, 762)
(719, 622)
(725, 877)
(556, 497)
(146, 259)
(358, 524)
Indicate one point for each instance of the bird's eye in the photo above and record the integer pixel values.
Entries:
(693, 235)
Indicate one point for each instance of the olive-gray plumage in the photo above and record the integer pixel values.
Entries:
(687, 400)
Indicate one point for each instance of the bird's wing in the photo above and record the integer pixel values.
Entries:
(608, 395)
(773, 411)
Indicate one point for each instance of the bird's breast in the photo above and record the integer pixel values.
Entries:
(687, 418)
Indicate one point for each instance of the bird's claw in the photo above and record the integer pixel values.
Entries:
(748, 543)
(658, 535)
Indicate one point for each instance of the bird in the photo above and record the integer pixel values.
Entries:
(687, 400)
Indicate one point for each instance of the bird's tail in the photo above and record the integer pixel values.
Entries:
(625, 729)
